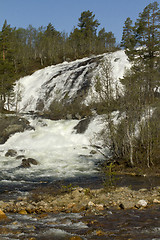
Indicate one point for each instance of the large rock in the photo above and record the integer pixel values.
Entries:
(26, 163)
(82, 126)
(142, 203)
(11, 153)
(11, 124)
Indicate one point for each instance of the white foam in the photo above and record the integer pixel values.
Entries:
(59, 151)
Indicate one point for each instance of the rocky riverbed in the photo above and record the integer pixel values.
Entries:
(75, 200)
(76, 213)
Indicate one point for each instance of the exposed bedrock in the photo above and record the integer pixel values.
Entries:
(11, 124)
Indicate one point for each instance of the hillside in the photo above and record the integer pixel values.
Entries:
(66, 81)
(105, 85)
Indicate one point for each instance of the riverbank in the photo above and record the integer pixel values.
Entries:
(122, 169)
(81, 200)
(75, 213)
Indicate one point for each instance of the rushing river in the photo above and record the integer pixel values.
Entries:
(59, 151)
(65, 156)
(113, 224)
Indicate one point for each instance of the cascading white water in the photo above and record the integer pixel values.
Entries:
(68, 79)
(59, 150)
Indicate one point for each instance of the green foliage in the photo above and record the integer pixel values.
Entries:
(7, 69)
(110, 177)
(87, 191)
(128, 38)
(142, 42)
(88, 27)
(84, 41)
(87, 23)
(148, 31)
(67, 188)
(57, 110)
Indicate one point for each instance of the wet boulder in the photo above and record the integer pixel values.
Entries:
(20, 157)
(11, 124)
(26, 163)
(11, 153)
(82, 126)
(32, 161)
(69, 116)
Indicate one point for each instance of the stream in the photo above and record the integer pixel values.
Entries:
(65, 157)
(110, 224)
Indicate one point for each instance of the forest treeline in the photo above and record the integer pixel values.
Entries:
(136, 137)
(22, 51)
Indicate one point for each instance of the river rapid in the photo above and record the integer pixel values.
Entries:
(61, 153)
(65, 157)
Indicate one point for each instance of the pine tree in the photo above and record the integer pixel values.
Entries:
(127, 36)
(52, 44)
(88, 27)
(87, 23)
(76, 44)
(7, 68)
(128, 41)
(142, 41)
(105, 41)
(148, 33)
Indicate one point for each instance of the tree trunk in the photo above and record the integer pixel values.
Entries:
(130, 138)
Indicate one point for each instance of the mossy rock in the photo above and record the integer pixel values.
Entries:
(11, 124)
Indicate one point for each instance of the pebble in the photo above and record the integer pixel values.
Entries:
(23, 212)
(142, 203)
(156, 201)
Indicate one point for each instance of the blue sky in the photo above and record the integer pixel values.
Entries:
(64, 14)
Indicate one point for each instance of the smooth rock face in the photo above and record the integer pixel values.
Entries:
(69, 81)
(25, 163)
(20, 156)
